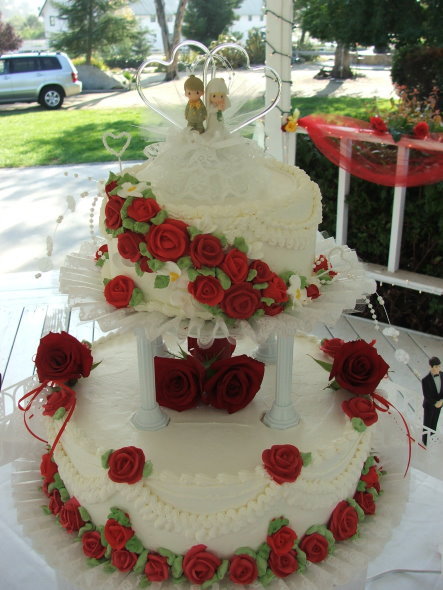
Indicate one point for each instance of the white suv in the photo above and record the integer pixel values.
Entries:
(41, 77)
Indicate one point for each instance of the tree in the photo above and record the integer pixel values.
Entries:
(29, 27)
(92, 25)
(205, 21)
(168, 42)
(9, 40)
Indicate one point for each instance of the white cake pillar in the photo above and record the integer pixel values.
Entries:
(282, 415)
(149, 416)
(267, 352)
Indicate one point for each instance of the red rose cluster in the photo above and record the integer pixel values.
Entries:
(126, 465)
(283, 463)
(211, 376)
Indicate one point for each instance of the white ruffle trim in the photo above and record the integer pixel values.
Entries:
(81, 280)
(63, 553)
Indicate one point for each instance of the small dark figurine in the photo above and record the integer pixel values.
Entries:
(432, 386)
(195, 112)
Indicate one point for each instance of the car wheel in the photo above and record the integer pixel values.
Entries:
(51, 97)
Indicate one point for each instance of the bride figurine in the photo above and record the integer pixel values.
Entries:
(217, 101)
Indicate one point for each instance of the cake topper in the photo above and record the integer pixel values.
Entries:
(217, 101)
(195, 112)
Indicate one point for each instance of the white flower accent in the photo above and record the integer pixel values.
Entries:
(172, 270)
(129, 189)
(402, 356)
(296, 292)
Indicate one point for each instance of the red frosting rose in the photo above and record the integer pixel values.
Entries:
(315, 546)
(264, 273)
(283, 565)
(321, 263)
(92, 546)
(128, 245)
(143, 209)
(113, 209)
(123, 559)
(61, 357)
(273, 309)
(360, 407)
(116, 534)
(156, 568)
(243, 569)
(169, 240)
(199, 565)
(126, 465)
(69, 516)
(55, 502)
(63, 398)
(343, 523)
(102, 250)
(118, 291)
(421, 130)
(241, 301)
(178, 382)
(48, 468)
(144, 264)
(366, 502)
(282, 462)
(371, 478)
(207, 290)
(312, 291)
(110, 186)
(233, 383)
(206, 250)
(378, 125)
(282, 541)
(235, 265)
(330, 346)
(220, 349)
(358, 367)
(276, 290)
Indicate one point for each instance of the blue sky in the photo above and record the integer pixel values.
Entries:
(10, 8)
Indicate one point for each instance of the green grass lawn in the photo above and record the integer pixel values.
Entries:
(44, 138)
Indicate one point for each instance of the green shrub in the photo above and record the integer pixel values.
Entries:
(418, 68)
(256, 46)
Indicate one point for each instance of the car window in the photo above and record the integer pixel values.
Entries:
(48, 62)
(19, 65)
(3, 66)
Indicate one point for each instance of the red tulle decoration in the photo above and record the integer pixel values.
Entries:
(373, 153)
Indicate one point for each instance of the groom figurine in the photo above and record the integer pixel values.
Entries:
(432, 386)
(195, 112)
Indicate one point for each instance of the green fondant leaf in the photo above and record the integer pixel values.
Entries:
(46, 510)
(180, 580)
(134, 544)
(184, 262)
(59, 414)
(155, 264)
(225, 281)
(170, 555)
(119, 516)
(276, 524)
(147, 469)
(222, 570)
(373, 493)
(263, 551)
(108, 568)
(209, 583)
(306, 458)
(106, 281)
(358, 424)
(126, 177)
(370, 462)
(241, 245)
(51, 487)
(301, 558)
(192, 274)
(143, 249)
(129, 223)
(246, 551)
(262, 565)
(267, 578)
(139, 567)
(161, 281)
(260, 286)
(259, 313)
(148, 194)
(84, 513)
(222, 238)
(64, 494)
(267, 300)
(92, 562)
(141, 227)
(251, 274)
(193, 231)
(105, 458)
(206, 271)
(303, 282)
(361, 486)
(286, 275)
(334, 385)
(100, 262)
(160, 217)
(144, 582)
(136, 297)
(103, 540)
(84, 529)
(358, 509)
(177, 567)
(138, 270)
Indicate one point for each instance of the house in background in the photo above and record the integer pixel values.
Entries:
(250, 15)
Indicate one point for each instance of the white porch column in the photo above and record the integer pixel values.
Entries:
(398, 210)
(344, 178)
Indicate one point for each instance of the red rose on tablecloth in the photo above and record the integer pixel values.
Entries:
(360, 407)
(116, 534)
(63, 398)
(126, 465)
(235, 265)
(48, 468)
(123, 559)
(200, 565)
(156, 568)
(220, 349)
(207, 290)
(312, 291)
(113, 209)
(366, 502)
(276, 290)
(330, 346)
(358, 367)
(61, 357)
(169, 240)
(421, 130)
(241, 301)
(283, 565)
(282, 541)
(378, 125)
(92, 546)
(243, 569)
(264, 273)
(206, 250)
(118, 291)
(128, 245)
(55, 502)
(343, 522)
(282, 462)
(371, 478)
(234, 383)
(178, 382)
(69, 516)
(143, 209)
(315, 546)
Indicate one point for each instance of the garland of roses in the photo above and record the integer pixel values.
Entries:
(116, 547)
(221, 276)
